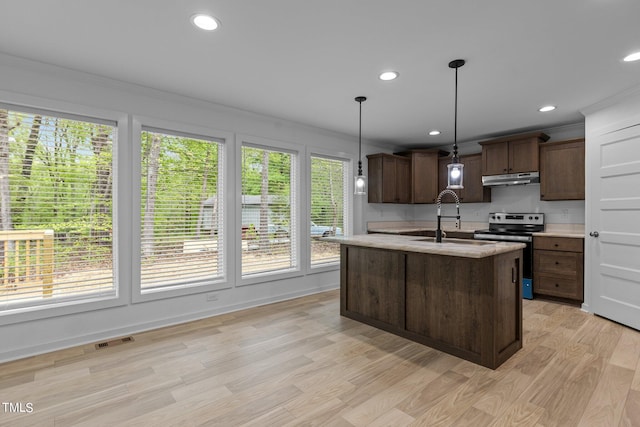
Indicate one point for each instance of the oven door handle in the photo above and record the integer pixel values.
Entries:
(503, 238)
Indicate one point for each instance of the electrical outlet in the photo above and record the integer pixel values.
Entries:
(212, 297)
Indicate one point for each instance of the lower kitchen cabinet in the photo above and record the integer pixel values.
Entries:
(558, 268)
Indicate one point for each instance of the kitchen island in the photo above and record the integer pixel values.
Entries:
(463, 297)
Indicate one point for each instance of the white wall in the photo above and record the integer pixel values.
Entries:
(524, 198)
(27, 83)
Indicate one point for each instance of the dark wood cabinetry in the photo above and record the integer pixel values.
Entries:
(389, 178)
(424, 174)
(513, 154)
(407, 177)
(558, 267)
(473, 191)
(468, 307)
(562, 168)
(379, 297)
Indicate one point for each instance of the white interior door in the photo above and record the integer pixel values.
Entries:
(612, 245)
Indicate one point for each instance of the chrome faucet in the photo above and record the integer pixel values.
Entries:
(457, 217)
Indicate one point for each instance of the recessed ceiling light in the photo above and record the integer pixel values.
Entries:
(204, 22)
(434, 132)
(389, 75)
(547, 108)
(632, 57)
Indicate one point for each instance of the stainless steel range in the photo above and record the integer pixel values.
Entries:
(516, 227)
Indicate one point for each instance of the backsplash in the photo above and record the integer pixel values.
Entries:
(519, 198)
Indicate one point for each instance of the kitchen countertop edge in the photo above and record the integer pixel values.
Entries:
(555, 230)
(414, 244)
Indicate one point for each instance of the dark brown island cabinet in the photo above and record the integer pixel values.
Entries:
(468, 307)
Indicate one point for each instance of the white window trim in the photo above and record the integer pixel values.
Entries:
(348, 158)
(122, 287)
(300, 208)
(177, 128)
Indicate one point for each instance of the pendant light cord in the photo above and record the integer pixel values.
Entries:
(360, 100)
(360, 141)
(456, 63)
(455, 124)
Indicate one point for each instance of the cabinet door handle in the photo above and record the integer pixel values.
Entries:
(513, 275)
(594, 234)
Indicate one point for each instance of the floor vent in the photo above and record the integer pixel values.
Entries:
(113, 343)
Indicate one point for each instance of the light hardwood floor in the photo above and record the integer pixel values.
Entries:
(299, 363)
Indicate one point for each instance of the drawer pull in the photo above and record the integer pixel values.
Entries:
(557, 263)
(557, 286)
(556, 245)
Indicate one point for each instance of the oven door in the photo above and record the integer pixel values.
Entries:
(527, 256)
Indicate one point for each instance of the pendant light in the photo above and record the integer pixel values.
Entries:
(455, 168)
(360, 182)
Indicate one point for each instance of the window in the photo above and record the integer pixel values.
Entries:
(56, 219)
(328, 195)
(182, 211)
(268, 211)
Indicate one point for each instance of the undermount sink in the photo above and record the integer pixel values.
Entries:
(456, 241)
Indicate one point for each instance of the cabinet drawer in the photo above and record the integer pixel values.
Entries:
(558, 243)
(558, 286)
(556, 262)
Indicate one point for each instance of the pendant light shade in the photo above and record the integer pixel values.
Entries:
(455, 169)
(360, 180)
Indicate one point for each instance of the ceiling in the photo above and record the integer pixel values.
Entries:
(306, 60)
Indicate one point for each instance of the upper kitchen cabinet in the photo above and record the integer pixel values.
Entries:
(562, 170)
(512, 154)
(424, 174)
(473, 191)
(389, 178)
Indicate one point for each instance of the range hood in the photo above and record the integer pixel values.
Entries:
(511, 179)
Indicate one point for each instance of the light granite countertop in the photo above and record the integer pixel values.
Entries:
(403, 227)
(451, 247)
(562, 230)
